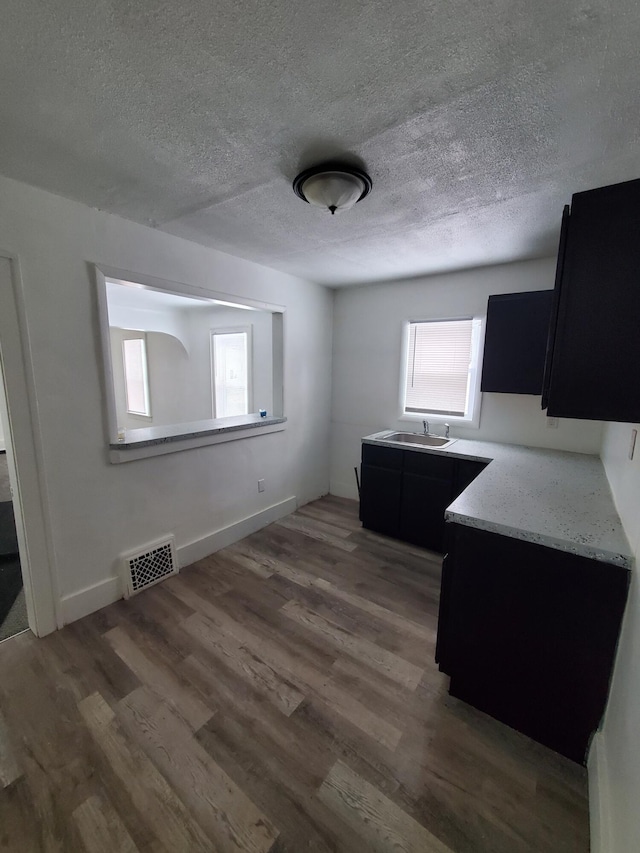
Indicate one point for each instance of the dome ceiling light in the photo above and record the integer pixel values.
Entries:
(332, 187)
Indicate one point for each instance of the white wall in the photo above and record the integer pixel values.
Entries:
(614, 764)
(176, 392)
(179, 360)
(4, 415)
(3, 410)
(366, 364)
(171, 390)
(202, 322)
(169, 320)
(97, 510)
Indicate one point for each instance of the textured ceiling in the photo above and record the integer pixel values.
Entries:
(476, 120)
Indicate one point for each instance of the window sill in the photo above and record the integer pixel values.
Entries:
(156, 441)
(139, 416)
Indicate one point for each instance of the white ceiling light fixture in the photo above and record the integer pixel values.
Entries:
(332, 187)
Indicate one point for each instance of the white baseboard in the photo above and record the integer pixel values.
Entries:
(201, 548)
(95, 597)
(599, 797)
(89, 599)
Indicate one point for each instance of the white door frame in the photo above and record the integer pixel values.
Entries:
(25, 456)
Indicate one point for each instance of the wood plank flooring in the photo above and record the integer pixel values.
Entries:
(280, 695)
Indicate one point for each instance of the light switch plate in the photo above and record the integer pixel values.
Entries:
(552, 423)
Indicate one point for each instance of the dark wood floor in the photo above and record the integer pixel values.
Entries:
(280, 695)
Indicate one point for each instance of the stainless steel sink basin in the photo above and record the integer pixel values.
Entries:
(419, 439)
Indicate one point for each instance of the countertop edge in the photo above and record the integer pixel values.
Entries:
(580, 550)
(585, 549)
(200, 433)
(435, 451)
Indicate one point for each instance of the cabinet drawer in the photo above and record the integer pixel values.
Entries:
(382, 457)
(428, 465)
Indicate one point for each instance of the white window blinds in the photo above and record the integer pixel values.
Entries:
(439, 358)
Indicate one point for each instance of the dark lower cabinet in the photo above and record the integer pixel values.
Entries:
(424, 500)
(381, 489)
(404, 493)
(528, 635)
(427, 490)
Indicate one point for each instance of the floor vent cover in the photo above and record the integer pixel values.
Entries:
(142, 569)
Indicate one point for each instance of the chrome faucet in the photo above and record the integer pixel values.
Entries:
(446, 430)
(425, 427)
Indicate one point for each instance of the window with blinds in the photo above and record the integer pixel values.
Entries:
(440, 355)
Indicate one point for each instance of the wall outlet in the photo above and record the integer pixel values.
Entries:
(552, 423)
(632, 444)
(261, 485)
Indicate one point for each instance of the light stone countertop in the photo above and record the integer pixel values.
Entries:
(550, 497)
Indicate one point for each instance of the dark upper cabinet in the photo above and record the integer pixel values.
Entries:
(594, 344)
(516, 342)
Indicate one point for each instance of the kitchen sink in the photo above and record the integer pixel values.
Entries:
(419, 439)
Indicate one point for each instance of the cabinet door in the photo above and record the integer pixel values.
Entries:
(515, 342)
(531, 634)
(380, 492)
(381, 488)
(424, 500)
(597, 345)
(555, 305)
(427, 488)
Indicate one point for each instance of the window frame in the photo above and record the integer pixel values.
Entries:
(137, 336)
(471, 418)
(156, 441)
(232, 330)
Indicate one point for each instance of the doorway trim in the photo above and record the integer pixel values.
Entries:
(25, 454)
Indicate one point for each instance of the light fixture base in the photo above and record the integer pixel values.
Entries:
(336, 186)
